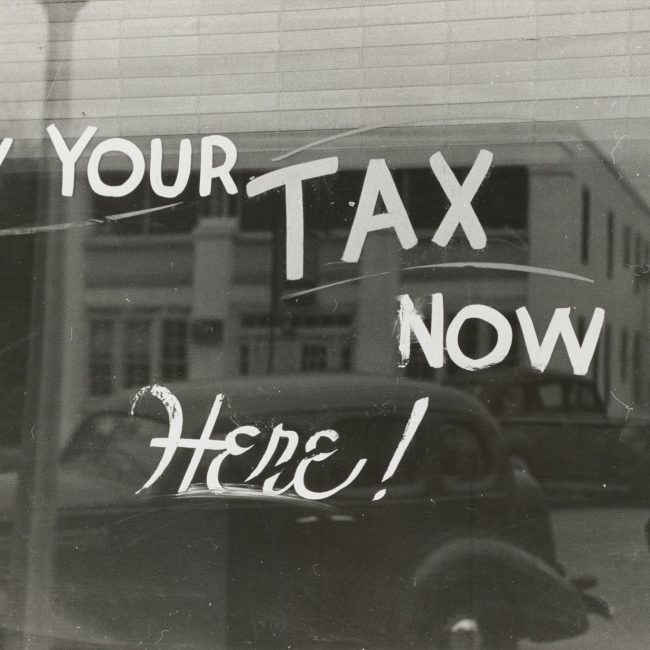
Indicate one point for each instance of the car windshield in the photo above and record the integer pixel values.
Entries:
(116, 445)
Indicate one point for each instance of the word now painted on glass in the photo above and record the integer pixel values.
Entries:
(434, 342)
(282, 446)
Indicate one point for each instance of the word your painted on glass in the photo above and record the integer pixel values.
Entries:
(317, 449)
(378, 184)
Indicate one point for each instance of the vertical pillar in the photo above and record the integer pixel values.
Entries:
(375, 343)
(212, 350)
(55, 258)
(74, 384)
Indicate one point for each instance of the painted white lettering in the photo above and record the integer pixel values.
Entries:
(173, 439)
(116, 145)
(5, 145)
(488, 315)
(580, 355)
(209, 171)
(431, 341)
(69, 157)
(301, 488)
(461, 213)
(378, 183)
(182, 175)
(291, 178)
(289, 450)
(232, 448)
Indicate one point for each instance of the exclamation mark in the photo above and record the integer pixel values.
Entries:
(419, 409)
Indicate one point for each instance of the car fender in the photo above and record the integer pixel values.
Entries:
(532, 597)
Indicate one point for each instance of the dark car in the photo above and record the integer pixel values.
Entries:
(459, 549)
(556, 425)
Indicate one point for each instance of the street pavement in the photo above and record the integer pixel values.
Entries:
(609, 543)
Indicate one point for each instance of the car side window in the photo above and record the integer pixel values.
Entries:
(513, 401)
(583, 398)
(462, 453)
(362, 434)
(117, 446)
(374, 437)
(549, 396)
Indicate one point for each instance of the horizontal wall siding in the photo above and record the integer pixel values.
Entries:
(243, 65)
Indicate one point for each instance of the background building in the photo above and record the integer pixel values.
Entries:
(163, 305)
(557, 90)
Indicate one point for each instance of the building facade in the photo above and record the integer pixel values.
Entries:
(557, 90)
(190, 294)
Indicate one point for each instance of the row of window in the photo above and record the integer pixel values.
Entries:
(299, 320)
(635, 253)
(324, 355)
(132, 351)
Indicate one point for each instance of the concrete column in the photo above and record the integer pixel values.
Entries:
(212, 352)
(554, 240)
(375, 343)
(74, 357)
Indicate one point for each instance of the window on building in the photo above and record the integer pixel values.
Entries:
(638, 262)
(585, 225)
(129, 349)
(501, 203)
(102, 371)
(610, 244)
(221, 204)
(307, 340)
(637, 378)
(626, 246)
(607, 363)
(313, 356)
(595, 363)
(624, 355)
(136, 354)
(244, 359)
(346, 356)
(174, 349)
(181, 218)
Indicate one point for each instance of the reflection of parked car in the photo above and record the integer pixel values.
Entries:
(460, 546)
(557, 425)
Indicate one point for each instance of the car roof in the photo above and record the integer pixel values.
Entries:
(279, 394)
(518, 374)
